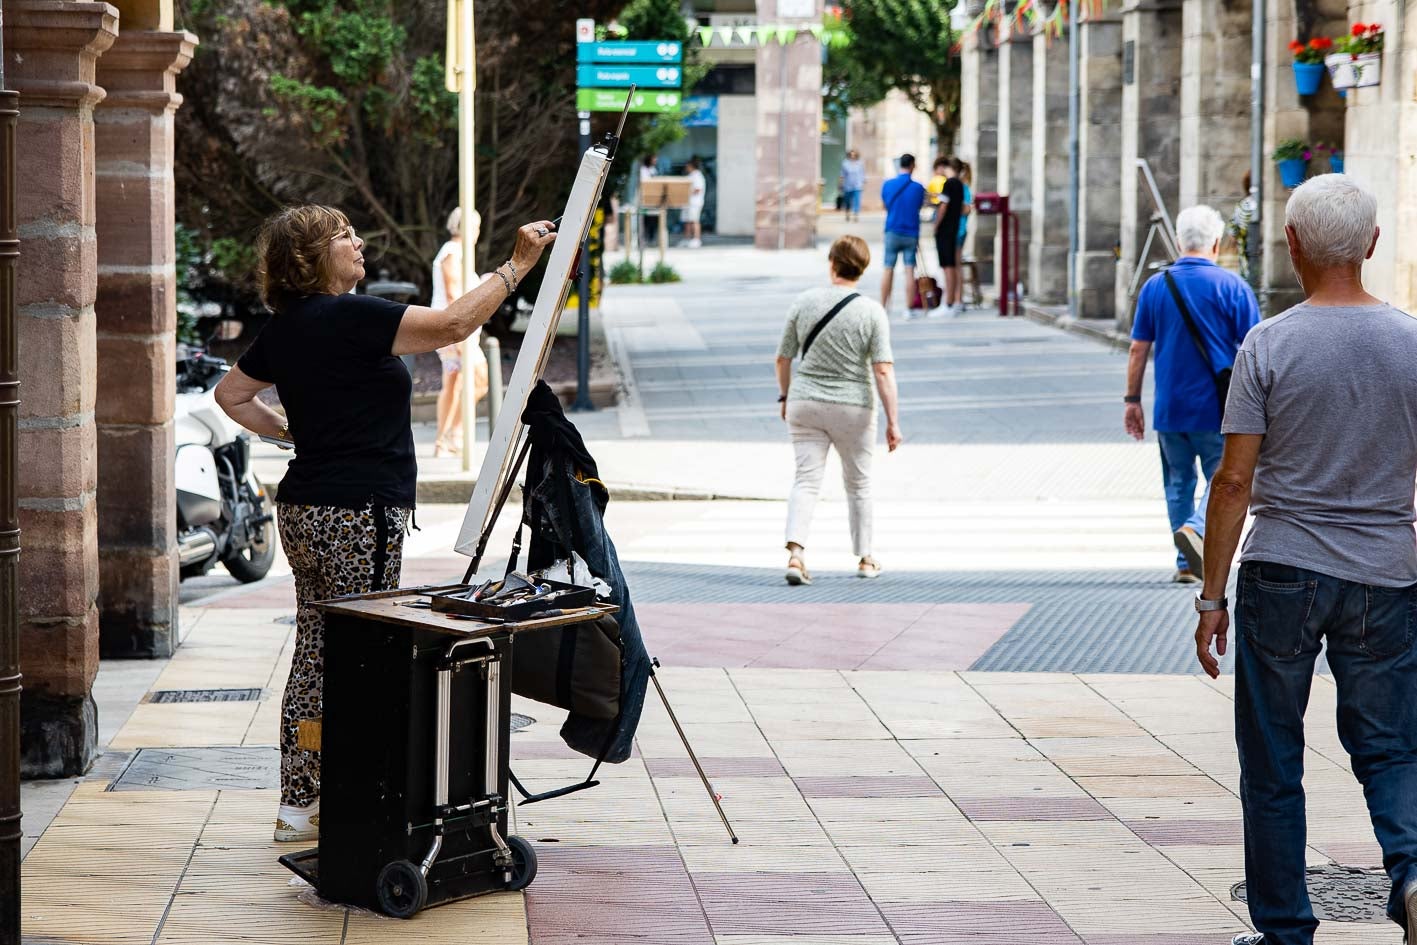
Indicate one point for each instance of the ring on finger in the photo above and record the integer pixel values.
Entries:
(541, 231)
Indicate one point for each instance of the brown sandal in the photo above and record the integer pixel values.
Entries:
(797, 572)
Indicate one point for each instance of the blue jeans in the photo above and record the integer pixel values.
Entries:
(1282, 613)
(853, 201)
(896, 245)
(1179, 453)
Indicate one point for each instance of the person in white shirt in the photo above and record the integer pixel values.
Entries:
(693, 229)
(447, 285)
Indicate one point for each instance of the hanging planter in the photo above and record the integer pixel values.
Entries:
(1309, 63)
(1292, 156)
(1358, 62)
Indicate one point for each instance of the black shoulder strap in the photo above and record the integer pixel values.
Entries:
(817, 328)
(1190, 323)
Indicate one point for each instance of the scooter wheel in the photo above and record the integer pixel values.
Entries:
(402, 889)
(523, 863)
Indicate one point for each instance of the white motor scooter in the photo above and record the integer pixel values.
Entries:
(223, 512)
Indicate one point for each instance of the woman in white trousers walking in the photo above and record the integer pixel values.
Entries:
(844, 341)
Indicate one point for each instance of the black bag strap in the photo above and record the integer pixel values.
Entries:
(1191, 327)
(817, 328)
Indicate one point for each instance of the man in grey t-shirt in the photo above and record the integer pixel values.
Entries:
(1321, 445)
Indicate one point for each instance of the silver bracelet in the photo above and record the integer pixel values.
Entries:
(503, 277)
(509, 265)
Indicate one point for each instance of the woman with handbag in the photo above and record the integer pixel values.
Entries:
(447, 284)
(845, 346)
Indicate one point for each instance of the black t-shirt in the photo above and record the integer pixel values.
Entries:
(346, 398)
(953, 196)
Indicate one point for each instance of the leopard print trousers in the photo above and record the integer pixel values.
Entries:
(332, 552)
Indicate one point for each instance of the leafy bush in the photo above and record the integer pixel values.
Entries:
(663, 272)
(1291, 150)
(626, 272)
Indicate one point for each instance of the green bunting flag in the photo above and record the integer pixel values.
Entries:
(705, 34)
(766, 34)
(787, 36)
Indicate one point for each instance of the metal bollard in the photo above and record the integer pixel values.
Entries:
(493, 349)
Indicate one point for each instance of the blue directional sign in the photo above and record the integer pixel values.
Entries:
(628, 52)
(622, 77)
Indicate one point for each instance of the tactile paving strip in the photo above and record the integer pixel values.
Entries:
(1131, 621)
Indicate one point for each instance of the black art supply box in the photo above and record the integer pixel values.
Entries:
(414, 755)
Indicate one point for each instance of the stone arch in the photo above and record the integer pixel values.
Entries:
(144, 14)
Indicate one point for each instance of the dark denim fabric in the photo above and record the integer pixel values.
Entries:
(1283, 613)
(572, 511)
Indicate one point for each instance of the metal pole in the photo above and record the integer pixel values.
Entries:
(467, 199)
(9, 529)
(1074, 115)
(583, 401)
(1254, 241)
(703, 776)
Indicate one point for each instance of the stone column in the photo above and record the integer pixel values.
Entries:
(1015, 165)
(1151, 112)
(51, 50)
(979, 139)
(789, 153)
(1100, 158)
(1215, 103)
(1048, 242)
(137, 324)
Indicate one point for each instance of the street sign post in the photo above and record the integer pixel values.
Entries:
(614, 76)
(651, 53)
(618, 76)
(613, 100)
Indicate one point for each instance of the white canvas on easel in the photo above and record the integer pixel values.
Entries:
(536, 347)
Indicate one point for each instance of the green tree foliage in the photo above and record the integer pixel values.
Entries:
(343, 102)
(898, 44)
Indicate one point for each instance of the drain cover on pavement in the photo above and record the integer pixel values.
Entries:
(205, 695)
(201, 769)
(1342, 894)
(520, 721)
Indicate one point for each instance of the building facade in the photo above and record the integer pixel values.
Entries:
(96, 314)
(1168, 82)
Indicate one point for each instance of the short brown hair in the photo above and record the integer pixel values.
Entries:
(293, 253)
(850, 256)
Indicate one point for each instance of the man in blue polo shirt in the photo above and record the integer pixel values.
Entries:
(903, 197)
(1221, 310)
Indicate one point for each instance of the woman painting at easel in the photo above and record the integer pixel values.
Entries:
(348, 495)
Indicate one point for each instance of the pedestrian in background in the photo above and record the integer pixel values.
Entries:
(1321, 447)
(903, 197)
(447, 285)
(853, 181)
(698, 187)
(1195, 314)
(844, 340)
(949, 211)
(966, 177)
(649, 222)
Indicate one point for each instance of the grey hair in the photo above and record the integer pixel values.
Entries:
(1334, 219)
(1198, 228)
(455, 222)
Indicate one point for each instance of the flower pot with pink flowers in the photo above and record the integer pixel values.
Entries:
(1357, 60)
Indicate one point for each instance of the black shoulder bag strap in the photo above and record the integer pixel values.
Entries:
(1221, 378)
(817, 328)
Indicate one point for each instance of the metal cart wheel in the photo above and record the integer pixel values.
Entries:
(402, 889)
(523, 863)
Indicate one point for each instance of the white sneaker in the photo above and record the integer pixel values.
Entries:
(943, 311)
(696, 244)
(298, 823)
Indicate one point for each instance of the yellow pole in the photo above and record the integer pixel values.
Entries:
(467, 199)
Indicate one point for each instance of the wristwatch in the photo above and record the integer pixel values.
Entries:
(1131, 399)
(1205, 606)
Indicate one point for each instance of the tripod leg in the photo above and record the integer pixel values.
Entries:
(713, 795)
